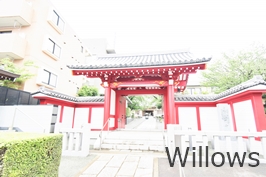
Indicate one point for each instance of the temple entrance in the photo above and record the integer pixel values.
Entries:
(140, 112)
(156, 73)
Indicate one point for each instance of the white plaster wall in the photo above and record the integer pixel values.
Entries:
(67, 117)
(112, 122)
(188, 118)
(244, 116)
(97, 118)
(209, 119)
(27, 118)
(81, 117)
(112, 103)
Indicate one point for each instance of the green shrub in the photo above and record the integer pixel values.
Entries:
(29, 154)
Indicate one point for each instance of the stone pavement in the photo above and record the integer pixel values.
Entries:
(123, 163)
(113, 163)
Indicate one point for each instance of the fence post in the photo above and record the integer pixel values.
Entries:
(263, 143)
(216, 143)
(252, 143)
(228, 145)
(86, 139)
(240, 145)
(65, 142)
(70, 141)
(77, 141)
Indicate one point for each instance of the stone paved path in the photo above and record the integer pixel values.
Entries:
(120, 164)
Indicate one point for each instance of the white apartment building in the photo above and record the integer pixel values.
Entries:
(35, 30)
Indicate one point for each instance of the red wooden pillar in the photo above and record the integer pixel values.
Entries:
(61, 114)
(165, 110)
(117, 109)
(171, 102)
(107, 100)
(258, 109)
(73, 119)
(198, 118)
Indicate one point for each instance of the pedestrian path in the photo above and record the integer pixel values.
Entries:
(124, 164)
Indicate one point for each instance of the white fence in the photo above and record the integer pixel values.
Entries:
(76, 142)
(219, 141)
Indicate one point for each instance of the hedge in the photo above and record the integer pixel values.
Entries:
(29, 154)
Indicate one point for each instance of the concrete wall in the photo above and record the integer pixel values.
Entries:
(27, 118)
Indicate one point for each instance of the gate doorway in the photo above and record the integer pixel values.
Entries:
(141, 112)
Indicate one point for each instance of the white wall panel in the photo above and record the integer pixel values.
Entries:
(188, 118)
(112, 102)
(67, 117)
(208, 119)
(97, 118)
(112, 122)
(27, 118)
(81, 117)
(244, 116)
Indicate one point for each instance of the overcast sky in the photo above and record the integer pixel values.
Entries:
(205, 26)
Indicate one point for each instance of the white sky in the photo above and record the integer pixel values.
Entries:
(205, 26)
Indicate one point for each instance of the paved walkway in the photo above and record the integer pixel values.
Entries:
(124, 163)
(147, 164)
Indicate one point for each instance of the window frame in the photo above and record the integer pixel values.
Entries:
(54, 47)
(58, 19)
(49, 78)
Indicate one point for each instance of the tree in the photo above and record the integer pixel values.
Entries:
(144, 102)
(235, 68)
(88, 91)
(23, 71)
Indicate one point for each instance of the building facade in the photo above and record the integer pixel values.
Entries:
(35, 30)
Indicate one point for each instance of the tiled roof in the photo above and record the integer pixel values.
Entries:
(6, 75)
(51, 93)
(256, 80)
(140, 60)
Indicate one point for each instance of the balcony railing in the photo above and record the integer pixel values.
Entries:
(12, 45)
(15, 13)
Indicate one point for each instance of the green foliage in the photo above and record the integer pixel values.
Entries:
(88, 91)
(144, 102)
(128, 112)
(28, 154)
(235, 68)
(23, 71)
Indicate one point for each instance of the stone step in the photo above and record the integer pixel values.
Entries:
(133, 147)
(132, 142)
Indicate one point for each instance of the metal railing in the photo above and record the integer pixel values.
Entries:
(101, 133)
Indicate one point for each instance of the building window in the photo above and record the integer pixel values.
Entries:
(54, 48)
(49, 78)
(58, 20)
(5, 32)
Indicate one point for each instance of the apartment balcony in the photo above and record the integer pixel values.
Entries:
(12, 45)
(15, 13)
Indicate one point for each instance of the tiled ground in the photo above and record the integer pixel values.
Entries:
(120, 165)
